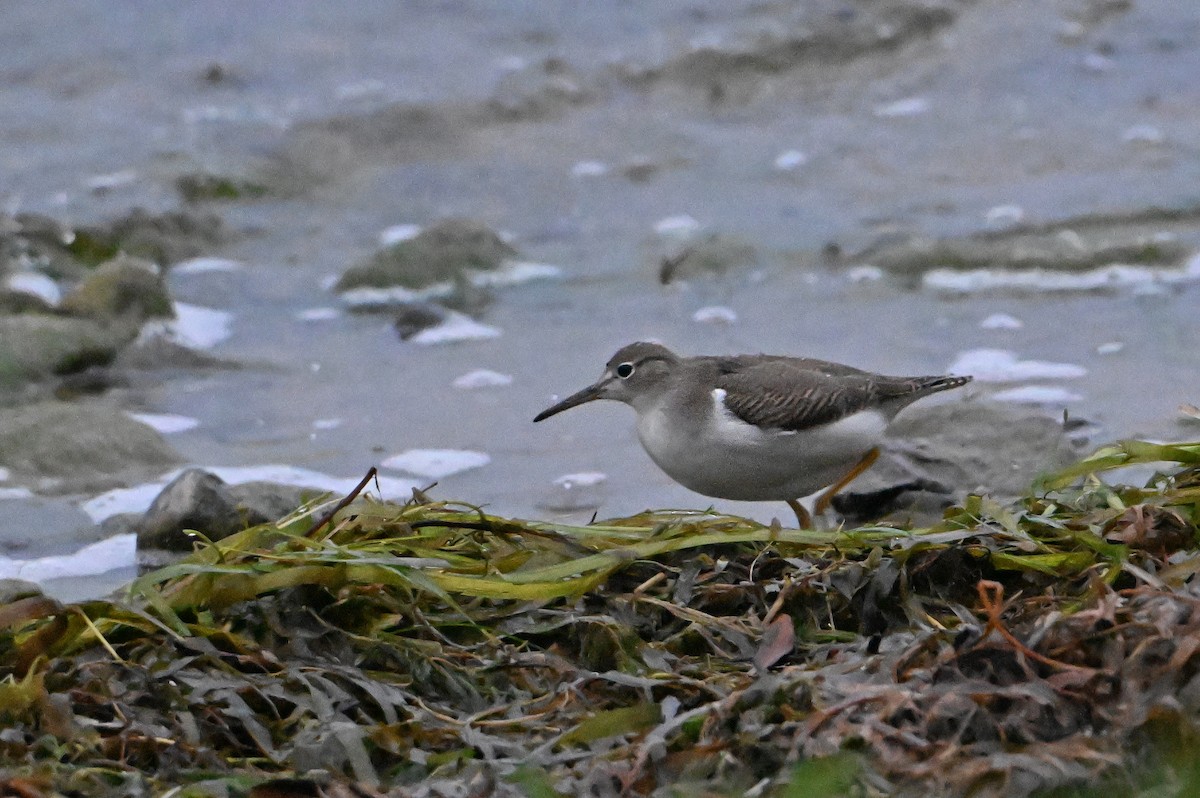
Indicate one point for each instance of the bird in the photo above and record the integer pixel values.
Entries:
(756, 427)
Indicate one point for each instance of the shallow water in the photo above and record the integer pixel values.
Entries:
(1016, 110)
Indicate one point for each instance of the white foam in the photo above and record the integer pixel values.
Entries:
(1143, 134)
(1110, 348)
(436, 463)
(1037, 395)
(116, 552)
(328, 423)
(864, 274)
(582, 479)
(1117, 275)
(510, 272)
(910, 106)
(369, 297)
(680, 225)
(589, 169)
(138, 498)
(35, 284)
(4, 474)
(15, 493)
(111, 180)
(1009, 214)
(1001, 321)
(193, 326)
(482, 378)
(1000, 365)
(166, 423)
(715, 314)
(788, 160)
(515, 272)
(454, 328)
(318, 314)
(397, 233)
(206, 265)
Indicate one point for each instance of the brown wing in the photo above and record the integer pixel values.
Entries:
(795, 394)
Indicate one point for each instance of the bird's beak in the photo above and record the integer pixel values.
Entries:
(588, 394)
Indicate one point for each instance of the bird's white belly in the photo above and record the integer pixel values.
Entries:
(727, 458)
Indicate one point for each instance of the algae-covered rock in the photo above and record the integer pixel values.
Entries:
(35, 346)
(443, 253)
(202, 186)
(123, 286)
(81, 443)
(162, 238)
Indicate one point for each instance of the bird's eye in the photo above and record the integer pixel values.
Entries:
(625, 370)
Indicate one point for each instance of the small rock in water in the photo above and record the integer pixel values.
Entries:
(436, 463)
(415, 317)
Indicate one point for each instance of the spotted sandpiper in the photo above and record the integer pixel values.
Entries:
(755, 427)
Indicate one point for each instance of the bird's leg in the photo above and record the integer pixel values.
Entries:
(824, 500)
(802, 515)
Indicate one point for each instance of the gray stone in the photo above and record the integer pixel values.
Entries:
(16, 589)
(263, 502)
(936, 454)
(442, 253)
(35, 346)
(121, 287)
(201, 501)
(194, 500)
(85, 444)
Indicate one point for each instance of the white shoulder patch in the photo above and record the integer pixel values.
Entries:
(728, 426)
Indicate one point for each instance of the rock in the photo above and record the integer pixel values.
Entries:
(195, 500)
(163, 239)
(35, 346)
(264, 502)
(86, 444)
(938, 453)
(413, 317)
(713, 255)
(538, 91)
(204, 186)
(202, 501)
(448, 251)
(16, 589)
(123, 286)
(155, 352)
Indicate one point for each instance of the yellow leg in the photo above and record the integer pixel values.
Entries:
(824, 500)
(802, 515)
